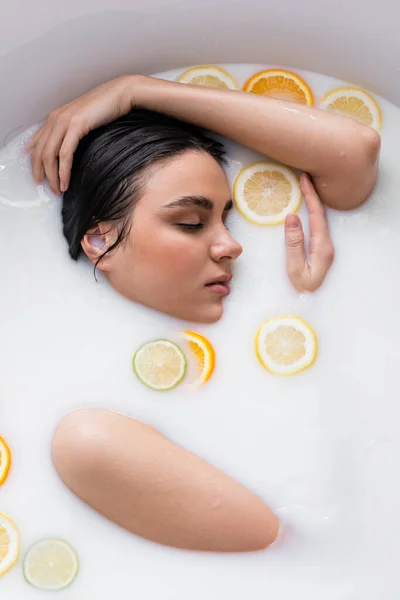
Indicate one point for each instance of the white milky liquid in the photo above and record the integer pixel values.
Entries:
(321, 448)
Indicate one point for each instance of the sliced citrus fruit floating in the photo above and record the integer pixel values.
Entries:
(286, 345)
(353, 102)
(280, 84)
(266, 192)
(5, 460)
(9, 544)
(160, 364)
(209, 76)
(51, 565)
(204, 355)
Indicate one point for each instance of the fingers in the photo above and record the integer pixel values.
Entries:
(50, 155)
(321, 251)
(46, 147)
(31, 143)
(318, 221)
(308, 275)
(54, 144)
(53, 147)
(67, 150)
(36, 158)
(296, 262)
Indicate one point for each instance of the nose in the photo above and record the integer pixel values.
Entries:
(225, 247)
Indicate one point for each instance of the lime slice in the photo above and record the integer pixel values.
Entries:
(160, 365)
(51, 565)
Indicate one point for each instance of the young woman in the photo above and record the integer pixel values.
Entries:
(146, 199)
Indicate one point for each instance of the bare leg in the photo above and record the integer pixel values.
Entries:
(143, 482)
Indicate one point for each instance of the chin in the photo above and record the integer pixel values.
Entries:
(210, 314)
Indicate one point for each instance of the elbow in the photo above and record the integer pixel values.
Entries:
(365, 167)
(370, 150)
(372, 142)
(355, 174)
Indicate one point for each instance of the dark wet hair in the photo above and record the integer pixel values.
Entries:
(109, 170)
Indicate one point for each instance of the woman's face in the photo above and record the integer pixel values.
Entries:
(178, 256)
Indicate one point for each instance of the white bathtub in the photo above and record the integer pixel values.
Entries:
(51, 52)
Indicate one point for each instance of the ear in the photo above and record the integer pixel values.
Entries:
(95, 243)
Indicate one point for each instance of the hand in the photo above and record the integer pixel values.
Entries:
(308, 275)
(54, 144)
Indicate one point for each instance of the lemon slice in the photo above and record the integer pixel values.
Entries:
(266, 192)
(160, 365)
(5, 460)
(51, 565)
(280, 84)
(209, 76)
(355, 103)
(286, 345)
(204, 355)
(9, 544)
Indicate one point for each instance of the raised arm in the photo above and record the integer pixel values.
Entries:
(339, 153)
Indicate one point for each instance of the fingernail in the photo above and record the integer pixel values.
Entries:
(292, 221)
(63, 187)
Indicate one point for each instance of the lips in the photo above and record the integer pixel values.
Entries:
(220, 285)
(221, 279)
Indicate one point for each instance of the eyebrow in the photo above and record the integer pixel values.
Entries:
(200, 201)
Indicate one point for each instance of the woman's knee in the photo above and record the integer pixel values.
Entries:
(147, 484)
(78, 443)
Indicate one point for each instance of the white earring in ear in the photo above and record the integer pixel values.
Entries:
(97, 242)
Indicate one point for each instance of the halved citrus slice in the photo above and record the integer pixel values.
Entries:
(51, 565)
(353, 102)
(280, 84)
(286, 345)
(160, 364)
(209, 76)
(266, 192)
(204, 355)
(5, 460)
(9, 544)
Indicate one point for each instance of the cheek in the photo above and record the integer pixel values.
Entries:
(169, 252)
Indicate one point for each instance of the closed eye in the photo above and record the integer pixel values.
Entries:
(190, 227)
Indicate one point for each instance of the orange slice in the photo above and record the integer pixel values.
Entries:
(354, 102)
(204, 355)
(5, 460)
(280, 84)
(209, 76)
(286, 345)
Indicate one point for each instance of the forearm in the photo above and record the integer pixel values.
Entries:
(340, 154)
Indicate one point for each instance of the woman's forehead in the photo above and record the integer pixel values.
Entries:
(190, 174)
